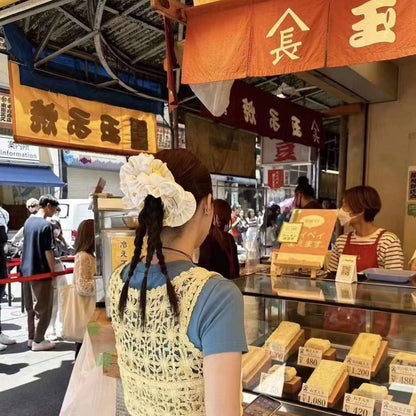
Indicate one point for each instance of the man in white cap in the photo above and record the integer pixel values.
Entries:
(32, 206)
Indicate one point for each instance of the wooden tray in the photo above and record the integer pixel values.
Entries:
(331, 354)
(380, 358)
(294, 345)
(293, 386)
(339, 390)
(377, 406)
(253, 379)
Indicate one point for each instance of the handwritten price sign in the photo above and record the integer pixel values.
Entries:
(277, 352)
(359, 368)
(389, 408)
(309, 357)
(358, 405)
(403, 374)
(314, 396)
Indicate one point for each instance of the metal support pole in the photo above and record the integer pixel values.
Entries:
(174, 126)
(342, 163)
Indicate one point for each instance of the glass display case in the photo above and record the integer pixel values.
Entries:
(306, 327)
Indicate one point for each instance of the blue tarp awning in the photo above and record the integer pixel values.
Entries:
(23, 51)
(35, 176)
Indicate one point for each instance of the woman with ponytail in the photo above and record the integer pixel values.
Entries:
(179, 328)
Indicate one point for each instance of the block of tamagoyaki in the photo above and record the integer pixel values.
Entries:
(366, 346)
(372, 392)
(318, 344)
(283, 334)
(252, 359)
(405, 358)
(290, 372)
(326, 375)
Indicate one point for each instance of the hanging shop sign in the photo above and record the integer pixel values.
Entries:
(57, 120)
(234, 39)
(5, 111)
(267, 115)
(224, 150)
(280, 152)
(275, 178)
(17, 151)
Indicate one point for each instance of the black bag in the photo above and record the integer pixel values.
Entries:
(242, 227)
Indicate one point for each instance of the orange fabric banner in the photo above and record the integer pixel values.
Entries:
(370, 30)
(238, 39)
(288, 36)
(217, 42)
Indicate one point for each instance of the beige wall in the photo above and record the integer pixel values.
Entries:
(390, 153)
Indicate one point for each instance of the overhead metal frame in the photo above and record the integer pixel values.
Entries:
(29, 8)
(95, 33)
(127, 40)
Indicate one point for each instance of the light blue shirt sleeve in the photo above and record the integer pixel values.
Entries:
(217, 321)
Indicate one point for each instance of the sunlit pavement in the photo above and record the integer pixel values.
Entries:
(31, 383)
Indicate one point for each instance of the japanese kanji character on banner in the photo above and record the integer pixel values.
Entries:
(288, 36)
(370, 30)
(234, 39)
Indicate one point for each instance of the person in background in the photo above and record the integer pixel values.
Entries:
(374, 248)
(179, 329)
(235, 221)
(305, 197)
(84, 265)
(252, 223)
(38, 258)
(4, 221)
(32, 206)
(54, 329)
(270, 228)
(218, 252)
(242, 226)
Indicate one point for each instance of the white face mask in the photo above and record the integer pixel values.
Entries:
(345, 217)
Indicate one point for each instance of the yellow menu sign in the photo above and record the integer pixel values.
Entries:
(122, 249)
(312, 246)
(57, 120)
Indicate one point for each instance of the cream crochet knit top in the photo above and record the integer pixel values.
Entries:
(161, 370)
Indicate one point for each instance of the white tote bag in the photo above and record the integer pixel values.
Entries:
(76, 313)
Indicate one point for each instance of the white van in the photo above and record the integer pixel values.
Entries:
(73, 212)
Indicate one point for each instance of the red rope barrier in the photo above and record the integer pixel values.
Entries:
(19, 278)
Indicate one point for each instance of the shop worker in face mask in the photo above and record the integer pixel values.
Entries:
(373, 246)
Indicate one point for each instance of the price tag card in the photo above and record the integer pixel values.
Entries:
(309, 357)
(312, 395)
(359, 368)
(358, 405)
(389, 408)
(277, 351)
(347, 269)
(403, 374)
(290, 232)
(272, 384)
